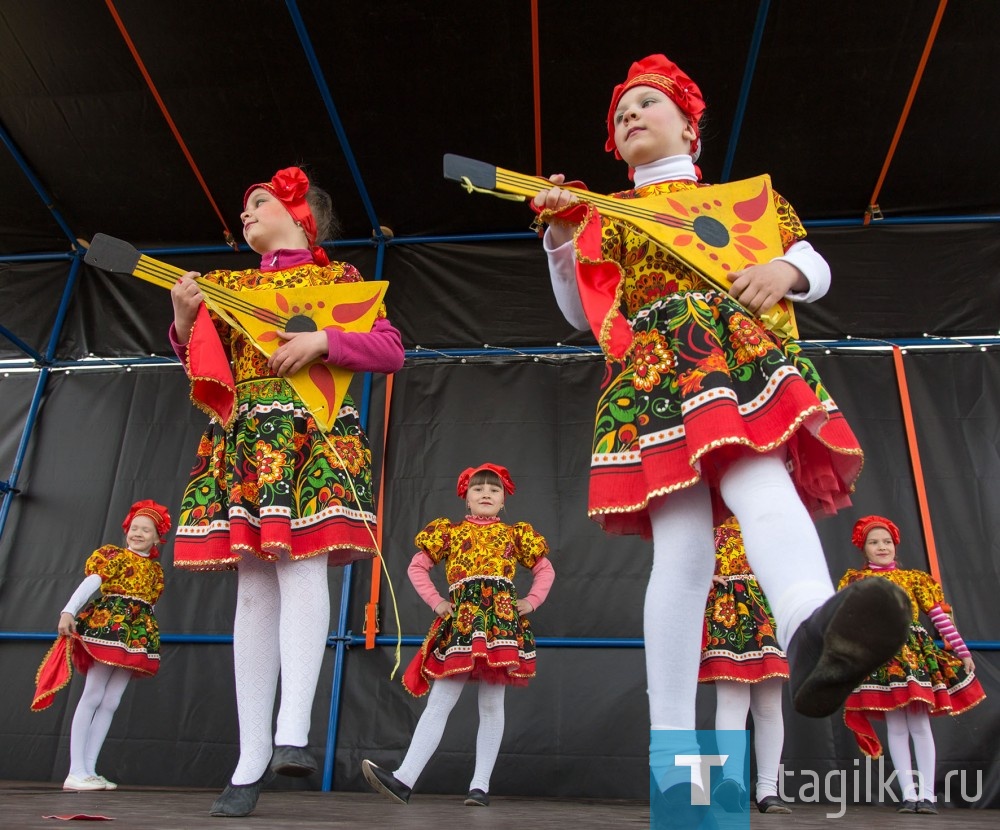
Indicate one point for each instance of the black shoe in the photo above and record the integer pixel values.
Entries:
(731, 796)
(477, 798)
(383, 781)
(238, 799)
(772, 804)
(907, 807)
(296, 761)
(843, 641)
(672, 810)
(926, 807)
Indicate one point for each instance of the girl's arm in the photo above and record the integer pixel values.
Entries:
(419, 572)
(543, 575)
(80, 596)
(378, 350)
(949, 633)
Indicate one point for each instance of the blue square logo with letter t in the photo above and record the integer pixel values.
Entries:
(699, 779)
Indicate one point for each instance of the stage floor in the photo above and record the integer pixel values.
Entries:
(24, 805)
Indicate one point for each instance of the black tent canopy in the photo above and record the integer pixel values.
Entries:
(147, 122)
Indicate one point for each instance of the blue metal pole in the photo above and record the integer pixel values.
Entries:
(341, 638)
(331, 109)
(741, 104)
(43, 376)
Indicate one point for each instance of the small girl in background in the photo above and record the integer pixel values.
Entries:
(117, 635)
(741, 656)
(480, 635)
(920, 679)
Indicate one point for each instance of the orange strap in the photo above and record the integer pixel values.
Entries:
(873, 203)
(227, 234)
(371, 609)
(918, 472)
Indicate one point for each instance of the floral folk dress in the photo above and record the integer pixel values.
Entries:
(920, 672)
(118, 628)
(702, 384)
(272, 485)
(486, 638)
(740, 642)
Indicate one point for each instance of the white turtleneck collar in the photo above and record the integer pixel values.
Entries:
(666, 169)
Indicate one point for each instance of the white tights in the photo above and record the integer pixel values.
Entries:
(443, 696)
(282, 623)
(763, 700)
(901, 725)
(101, 695)
(782, 547)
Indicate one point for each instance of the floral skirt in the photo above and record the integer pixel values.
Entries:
(274, 486)
(485, 639)
(921, 674)
(118, 631)
(739, 639)
(703, 385)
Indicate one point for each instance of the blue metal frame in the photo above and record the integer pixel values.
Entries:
(748, 72)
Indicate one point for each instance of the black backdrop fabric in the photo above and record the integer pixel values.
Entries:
(106, 437)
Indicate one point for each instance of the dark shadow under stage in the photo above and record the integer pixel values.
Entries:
(24, 805)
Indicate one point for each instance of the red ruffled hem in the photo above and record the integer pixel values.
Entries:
(749, 671)
(498, 664)
(825, 457)
(222, 545)
(863, 705)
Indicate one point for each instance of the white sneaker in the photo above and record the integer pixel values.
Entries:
(108, 785)
(91, 782)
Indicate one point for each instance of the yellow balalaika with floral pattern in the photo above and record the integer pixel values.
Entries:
(259, 315)
(715, 230)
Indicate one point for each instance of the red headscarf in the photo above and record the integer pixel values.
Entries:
(151, 510)
(866, 524)
(290, 186)
(661, 73)
(505, 479)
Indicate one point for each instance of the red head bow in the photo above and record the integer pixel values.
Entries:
(866, 524)
(157, 512)
(661, 73)
(501, 472)
(290, 186)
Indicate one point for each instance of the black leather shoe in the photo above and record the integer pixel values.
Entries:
(926, 807)
(772, 804)
(672, 810)
(477, 798)
(238, 799)
(843, 641)
(907, 807)
(296, 761)
(383, 781)
(731, 796)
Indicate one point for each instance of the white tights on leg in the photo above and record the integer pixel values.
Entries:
(901, 725)
(763, 700)
(490, 734)
(282, 622)
(781, 541)
(443, 696)
(94, 712)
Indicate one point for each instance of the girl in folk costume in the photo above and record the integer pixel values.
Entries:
(113, 639)
(741, 656)
(271, 494)
(919, 680)
(700, 405)
(480, 634)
